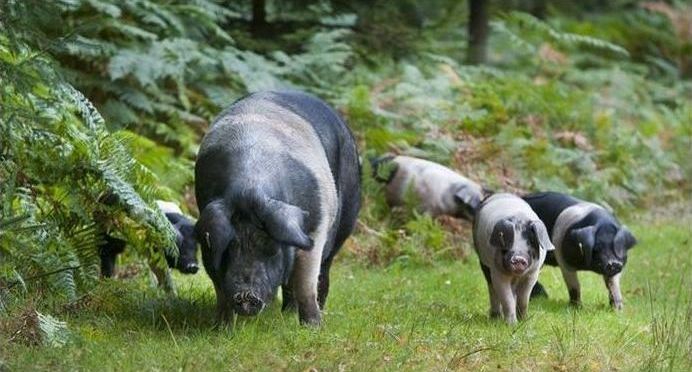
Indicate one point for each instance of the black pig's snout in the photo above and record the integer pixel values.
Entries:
(612, 268)
(247, 303)
(190, 268)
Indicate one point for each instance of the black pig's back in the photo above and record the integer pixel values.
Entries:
(277, 143)
(549, 205)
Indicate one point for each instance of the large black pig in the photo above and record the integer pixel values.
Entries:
(586, 237)
(277, 182)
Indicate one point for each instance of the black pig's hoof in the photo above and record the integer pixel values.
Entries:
(311, 322)
(310, 318)
(617, 306)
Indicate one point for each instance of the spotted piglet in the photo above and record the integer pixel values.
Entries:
(511, 242)
(438, 189)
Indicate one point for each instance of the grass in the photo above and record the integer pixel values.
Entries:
(400, 317)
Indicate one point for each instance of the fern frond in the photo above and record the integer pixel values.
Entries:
(531, 22)
(105, 7)
(88, 48)
(501, 28)
(54, 333)
(90, 114)
(128, 30)
(160, 15)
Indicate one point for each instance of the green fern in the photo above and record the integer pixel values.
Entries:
(530, 22)
(54, 333)
(59, 160)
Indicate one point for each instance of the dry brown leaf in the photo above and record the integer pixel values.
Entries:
(549, 54)
(574, 139)
(680, 18)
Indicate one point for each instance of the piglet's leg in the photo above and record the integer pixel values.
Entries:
(503, 290)
(524, 293)
(305, 277)
(572, 285)
(495, 305)
(288, 301)
(613, 284)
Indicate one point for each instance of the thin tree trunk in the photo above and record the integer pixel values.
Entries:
(539, 8)
(259, 16)
(478, 31)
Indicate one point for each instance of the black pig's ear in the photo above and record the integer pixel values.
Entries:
(214, 231)
(285, 223)
(625, 238)
(586, 238)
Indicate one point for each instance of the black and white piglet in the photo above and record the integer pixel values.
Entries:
(511, 242)
(440, 190)
(186, 262)
(586, 237)
(185, 238)
(277, 181)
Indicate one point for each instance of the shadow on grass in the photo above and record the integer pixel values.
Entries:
(131, 305)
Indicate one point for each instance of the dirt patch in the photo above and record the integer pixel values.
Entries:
(479, 159)
(22, 328)
(459, 237)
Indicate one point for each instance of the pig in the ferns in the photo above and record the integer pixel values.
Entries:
(586, 237)
(438, 190)
(186, 262)
(277, 181)
(511, 242)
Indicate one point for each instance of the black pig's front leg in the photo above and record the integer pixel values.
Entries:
(613, 284)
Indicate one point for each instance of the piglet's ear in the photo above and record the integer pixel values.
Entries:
(285, 223)
(541, 234)
(214, 231)
(624, 238)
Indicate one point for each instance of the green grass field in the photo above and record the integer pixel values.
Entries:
(399, 317)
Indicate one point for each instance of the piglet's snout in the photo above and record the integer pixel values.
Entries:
(518, 264)
(247, 303)
(613, 267)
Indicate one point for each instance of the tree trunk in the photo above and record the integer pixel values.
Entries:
(259, 16)
(478, 31)
(539, 8)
